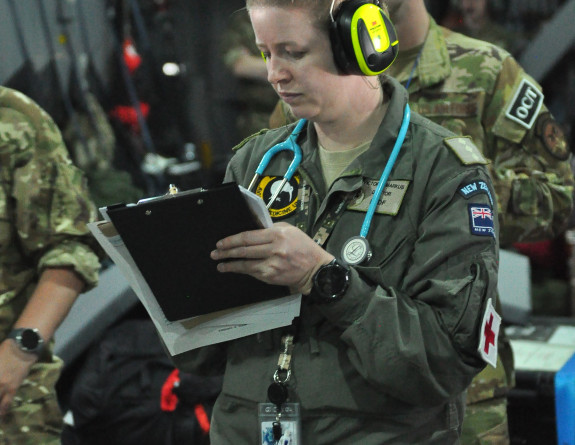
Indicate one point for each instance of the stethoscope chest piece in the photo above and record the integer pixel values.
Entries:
(355, 251)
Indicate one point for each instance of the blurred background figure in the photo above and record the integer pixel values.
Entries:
(254, 98)
(476, 18)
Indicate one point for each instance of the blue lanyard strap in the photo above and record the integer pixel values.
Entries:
(387, 170)
(414, 67)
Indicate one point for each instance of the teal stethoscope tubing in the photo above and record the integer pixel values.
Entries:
(386, 172)
(291, 144)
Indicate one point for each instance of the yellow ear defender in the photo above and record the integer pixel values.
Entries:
(363, 39)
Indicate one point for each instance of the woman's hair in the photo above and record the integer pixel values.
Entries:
(321, 9)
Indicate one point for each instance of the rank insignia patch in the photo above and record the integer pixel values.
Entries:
(465, 150)
(287, 199)
(481, 220)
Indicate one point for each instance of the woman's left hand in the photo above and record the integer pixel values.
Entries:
(281, 254)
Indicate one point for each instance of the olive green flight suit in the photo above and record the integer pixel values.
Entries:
(390, 361)
(475, 88)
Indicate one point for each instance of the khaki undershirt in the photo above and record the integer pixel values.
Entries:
(333, 163)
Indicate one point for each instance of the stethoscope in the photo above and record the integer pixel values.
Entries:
(289, 144)
(356, 250)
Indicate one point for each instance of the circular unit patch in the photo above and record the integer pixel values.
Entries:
(287, 199)
(553, 137)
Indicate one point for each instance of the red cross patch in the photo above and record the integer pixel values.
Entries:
(489, 333)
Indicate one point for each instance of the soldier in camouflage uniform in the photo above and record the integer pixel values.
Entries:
(255, 97)
(47, 257)
(475, 88)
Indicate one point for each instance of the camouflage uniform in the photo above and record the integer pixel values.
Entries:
(256, 98)
(43, 215)
(474, 88)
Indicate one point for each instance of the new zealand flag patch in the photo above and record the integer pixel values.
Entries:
(481, 220)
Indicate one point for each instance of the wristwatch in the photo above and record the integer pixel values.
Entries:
(28, 340)
(330, 282)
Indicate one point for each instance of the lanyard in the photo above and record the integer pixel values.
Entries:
(277, 391)
(414, 66)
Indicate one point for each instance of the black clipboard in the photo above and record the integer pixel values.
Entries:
(170, 239)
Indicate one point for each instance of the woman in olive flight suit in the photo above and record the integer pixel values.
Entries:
(397, 309)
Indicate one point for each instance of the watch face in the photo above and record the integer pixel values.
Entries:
(332, 280)
(30, 339)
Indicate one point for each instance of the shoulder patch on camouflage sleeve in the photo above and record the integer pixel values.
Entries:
(526, 103)
(552, 136)
(465, 150)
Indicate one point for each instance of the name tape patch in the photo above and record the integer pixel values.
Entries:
(389, 202)
(475, 187)
(525, 105)
(481, 220)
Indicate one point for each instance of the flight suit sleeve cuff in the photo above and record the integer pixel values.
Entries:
(353, 305)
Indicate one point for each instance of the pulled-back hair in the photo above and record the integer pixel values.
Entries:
(319, 8)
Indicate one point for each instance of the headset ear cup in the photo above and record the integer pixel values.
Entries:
(340, 33)
(340, 56)
(350, 25)
(377, 61)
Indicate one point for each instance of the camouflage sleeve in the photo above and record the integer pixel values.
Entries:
(52, 203)
(530, 159)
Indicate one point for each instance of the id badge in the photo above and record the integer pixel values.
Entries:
(290, 423)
